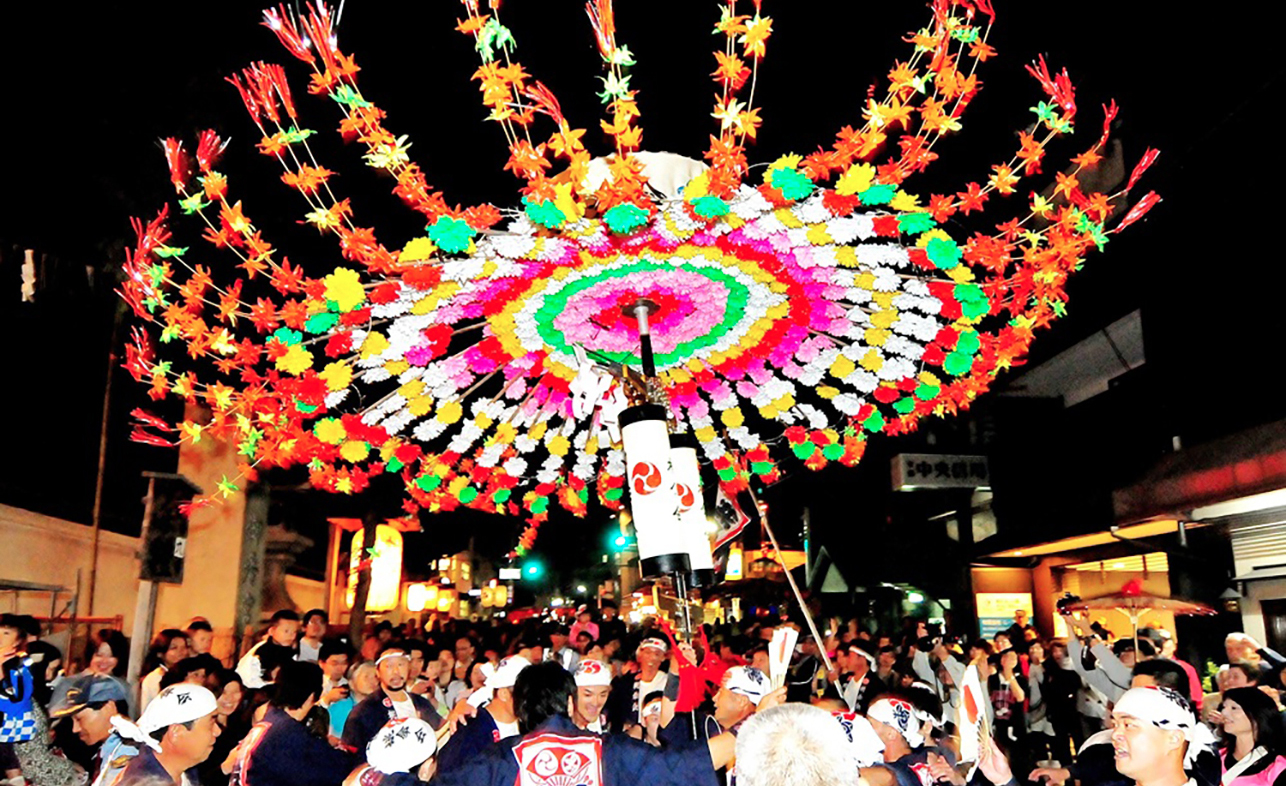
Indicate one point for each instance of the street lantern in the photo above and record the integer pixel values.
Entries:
(386, 570)
(416, 597)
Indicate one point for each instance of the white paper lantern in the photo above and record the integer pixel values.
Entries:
(646, 438)
(691, 508)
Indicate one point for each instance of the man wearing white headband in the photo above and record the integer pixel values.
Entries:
(593, 684)
(630, 692)
(494, 719)
(177, 732)
(898, 725)
(739, 694)
(391, 701)
(856, 683)
(1156, 735)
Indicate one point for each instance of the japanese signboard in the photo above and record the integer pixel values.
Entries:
(915, 471)
(996, 610)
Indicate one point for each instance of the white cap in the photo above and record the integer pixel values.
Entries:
(592, 673)
(901, 715)
(400, 745)
(503, 675)
(747, 681)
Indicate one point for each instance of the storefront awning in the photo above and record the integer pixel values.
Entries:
(1147, 529)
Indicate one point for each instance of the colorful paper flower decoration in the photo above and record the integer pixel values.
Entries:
(797, 314)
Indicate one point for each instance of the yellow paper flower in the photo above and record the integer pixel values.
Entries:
(337, 375)
(418, 250)
(344, 287)
(330, 430)
(375, 344)
(558, 445)
(355, 451)
(450, 412)
(297, 360)
(732, 418)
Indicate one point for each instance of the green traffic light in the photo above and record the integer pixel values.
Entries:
(532, 570)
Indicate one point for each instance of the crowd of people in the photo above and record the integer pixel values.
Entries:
(600, 703)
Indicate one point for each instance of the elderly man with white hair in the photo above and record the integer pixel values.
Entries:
(794, 745)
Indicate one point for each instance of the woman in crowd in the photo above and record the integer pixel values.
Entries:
(168, 648)
(362, 682)
(1253, 739)
(226, 685)
(107, 655)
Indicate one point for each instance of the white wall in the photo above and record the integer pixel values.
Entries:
(46, 550)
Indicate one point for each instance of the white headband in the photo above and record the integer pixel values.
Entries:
(1166, 709)
(901, 715)
(392, 653)
(592, 674)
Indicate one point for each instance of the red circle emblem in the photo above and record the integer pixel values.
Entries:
(646, 477)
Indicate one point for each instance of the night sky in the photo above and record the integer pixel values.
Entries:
(91, 87)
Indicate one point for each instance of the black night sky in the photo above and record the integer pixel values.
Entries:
(91, 87)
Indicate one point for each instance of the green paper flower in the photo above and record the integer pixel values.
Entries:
(540, 505)
(904, 405)
(614, 88)
(492, 38)
(968, 342)
(927, 392)
(293, 135)
(915, 223)
(973, 303)
(452, 235)
(624, 219)
(709, 207)
(792, 184)
(804, 449)
(428, 482)
(288, 336)
(833, 451)
(880, 194)
(544, 214)
(349, 97)
(467, 494)
(874, 423)
(613, 494)
(944, 254)
(194, 203)
(165, 252)
(322, 322)
(757, 467)
(958, 363)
